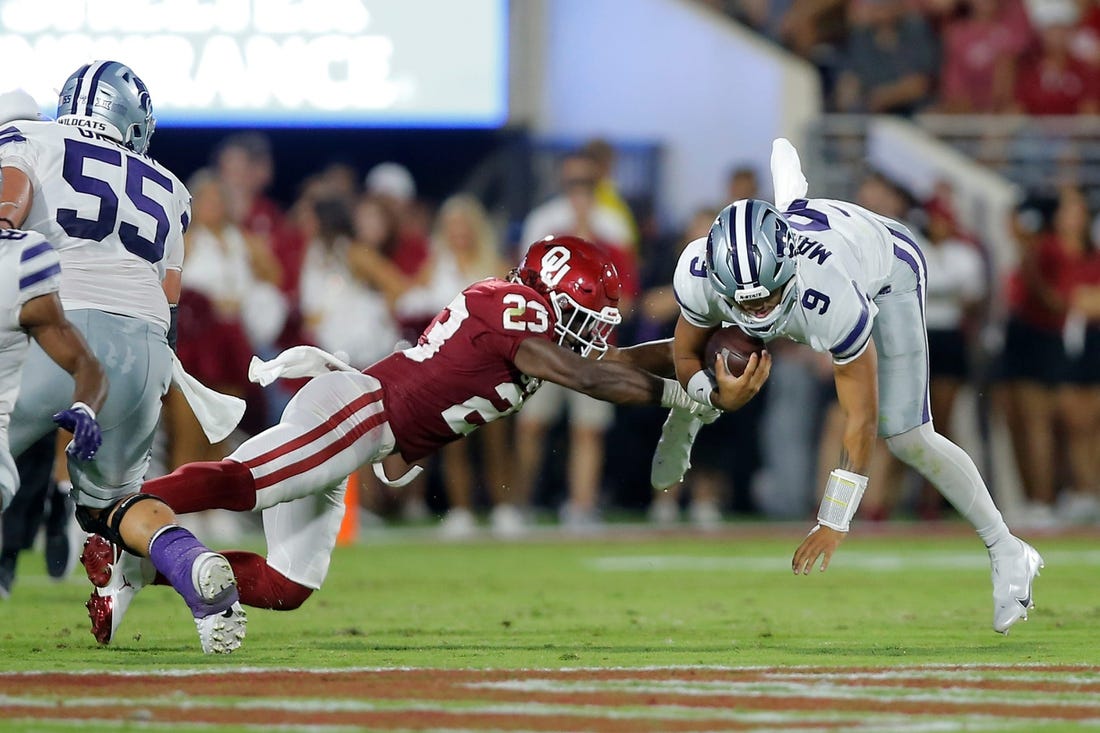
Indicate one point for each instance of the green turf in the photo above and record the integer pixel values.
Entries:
(890, 598)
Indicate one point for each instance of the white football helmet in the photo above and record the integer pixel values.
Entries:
(751, 255)
(114, 97)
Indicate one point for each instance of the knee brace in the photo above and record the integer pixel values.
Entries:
(109, 521)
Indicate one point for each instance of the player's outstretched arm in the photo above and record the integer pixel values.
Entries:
(857, 393)
(44, 319)
(655, 357)
(612, 381)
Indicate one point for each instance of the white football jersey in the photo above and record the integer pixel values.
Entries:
(29, 267)
(116, 218)
(847, 256)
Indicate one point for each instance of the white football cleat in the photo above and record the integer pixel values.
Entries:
(117, 576)
(672, 458)
(223, 629)
(221, 633)
(1014, 569)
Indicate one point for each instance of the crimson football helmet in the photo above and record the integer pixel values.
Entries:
(582, 286)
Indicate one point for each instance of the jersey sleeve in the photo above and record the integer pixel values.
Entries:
(846, 319)
(509, 314)
(16, 149)
(39, 267)
(692, 289)
(173, 247)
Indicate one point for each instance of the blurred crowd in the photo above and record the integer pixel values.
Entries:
(358, 264)
(1036, 57)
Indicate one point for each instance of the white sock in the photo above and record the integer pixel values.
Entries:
(950, 469)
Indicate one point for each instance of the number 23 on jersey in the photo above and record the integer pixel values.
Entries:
(518, 314)
(525, 315)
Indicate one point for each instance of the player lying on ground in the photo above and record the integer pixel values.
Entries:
(486, 353)
(116, 218)
(849, 282)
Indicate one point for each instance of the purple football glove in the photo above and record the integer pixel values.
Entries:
(80, 421)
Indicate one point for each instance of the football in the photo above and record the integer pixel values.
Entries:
(737, 345)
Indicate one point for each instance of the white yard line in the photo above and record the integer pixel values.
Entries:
(856, 560)
(1008, 668)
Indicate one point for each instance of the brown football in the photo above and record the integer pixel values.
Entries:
(737, 345)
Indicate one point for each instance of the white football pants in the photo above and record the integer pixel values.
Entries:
(332, 426)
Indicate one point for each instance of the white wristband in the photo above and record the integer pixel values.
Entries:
(675, 396)
(700, 387)
(81, 406)
(842, 496)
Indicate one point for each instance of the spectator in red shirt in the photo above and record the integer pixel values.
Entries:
(979, 52)
(1051, 81)
(394, 185)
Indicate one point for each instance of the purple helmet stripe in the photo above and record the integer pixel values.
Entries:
(750, 244)
(735, 215)
(76, 92)
(90, 104)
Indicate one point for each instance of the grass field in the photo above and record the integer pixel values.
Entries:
(636, 631)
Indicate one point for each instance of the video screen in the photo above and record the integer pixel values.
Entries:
(275, 63)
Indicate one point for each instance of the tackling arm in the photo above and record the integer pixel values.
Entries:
(44, 319)
(655, 357)
(613, 381)
(15, 197)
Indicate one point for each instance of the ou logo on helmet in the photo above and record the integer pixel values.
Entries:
(555, 265)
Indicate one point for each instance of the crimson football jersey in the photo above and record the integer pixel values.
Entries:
(461, 373)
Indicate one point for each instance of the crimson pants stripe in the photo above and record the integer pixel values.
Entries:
(306, 438)
(312, 461)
